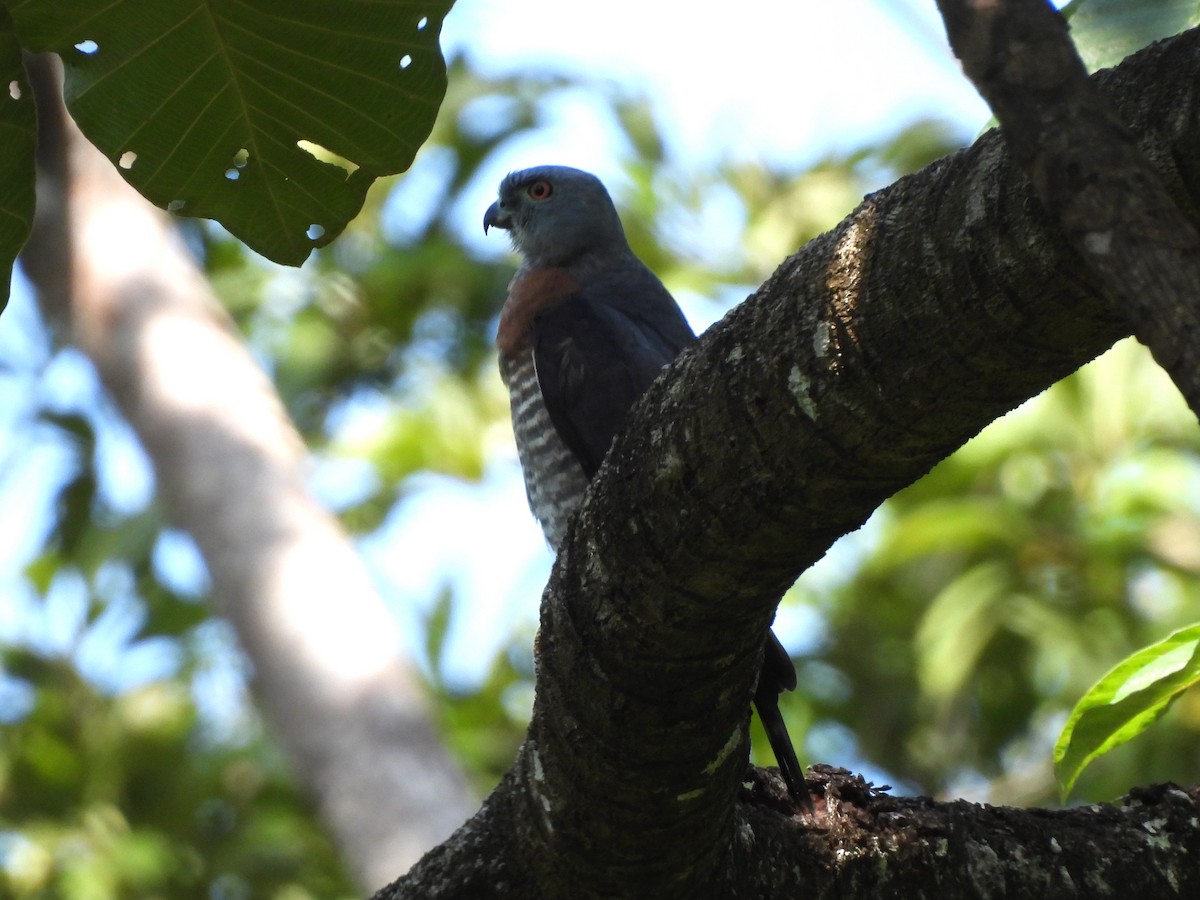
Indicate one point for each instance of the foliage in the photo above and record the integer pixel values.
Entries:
(273, 117)
(109, 797)
(18, 135)
(1106, 31)
(125, 768)
(1126, 701)
(996, 589)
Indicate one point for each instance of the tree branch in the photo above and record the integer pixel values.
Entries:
(939, 304)
(1087, 169)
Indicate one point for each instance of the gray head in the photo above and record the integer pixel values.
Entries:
(555, 215)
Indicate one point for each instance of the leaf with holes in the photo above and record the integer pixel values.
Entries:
(271, 116)
(1126, 702)
(18, 129)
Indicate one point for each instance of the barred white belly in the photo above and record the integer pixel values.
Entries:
(554, 480)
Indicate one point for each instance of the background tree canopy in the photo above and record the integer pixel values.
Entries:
(940, 648)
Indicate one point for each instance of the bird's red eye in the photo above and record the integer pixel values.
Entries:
(540, 190)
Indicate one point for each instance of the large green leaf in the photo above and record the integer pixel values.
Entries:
(271, 116)
(1107, 31)
(1127, 701)
(17, 138)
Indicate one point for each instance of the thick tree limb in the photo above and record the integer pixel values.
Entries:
(871, 846)
(938, 305)
(1087, 169)
(114, 277)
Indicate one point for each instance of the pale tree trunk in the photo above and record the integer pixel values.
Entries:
(114, 279)
(941, 303)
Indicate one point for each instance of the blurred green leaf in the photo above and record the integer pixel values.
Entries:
(76, 426)
(18, 136)
(1127, 701)
(124, 798)
(77, 495)
(486, 726)
(1065, 533)
(957, 626)
(273, 117)
(1107, 31)
(441, 429)
(437, 626)
(143, 858)
(74, 510)
(962, 524)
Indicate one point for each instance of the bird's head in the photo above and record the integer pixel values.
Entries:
(555, 215)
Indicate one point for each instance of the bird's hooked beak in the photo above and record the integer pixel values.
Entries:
(495, 217)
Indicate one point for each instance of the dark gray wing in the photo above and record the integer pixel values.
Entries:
(594, 360)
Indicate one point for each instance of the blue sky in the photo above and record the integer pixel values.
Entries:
(759, 79)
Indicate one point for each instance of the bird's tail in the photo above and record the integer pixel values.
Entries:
(778, 675)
